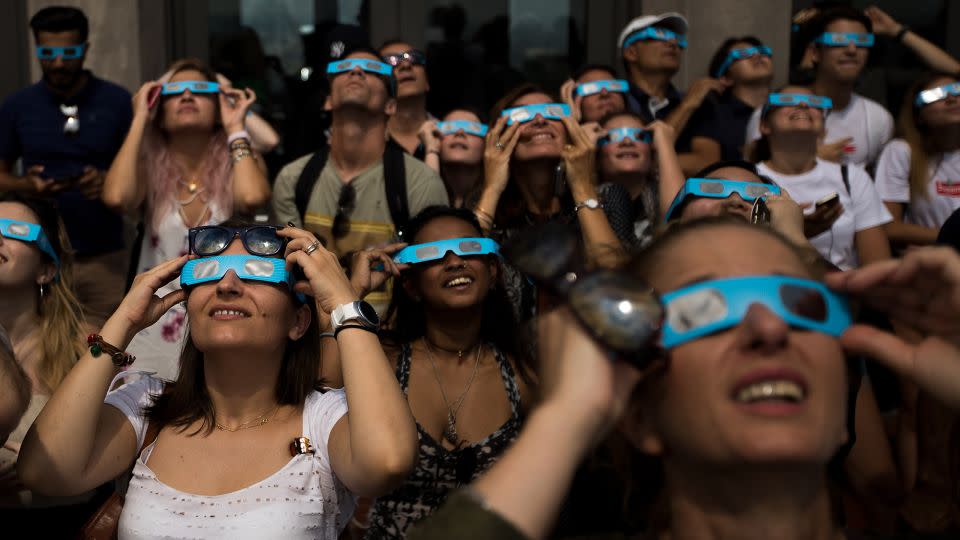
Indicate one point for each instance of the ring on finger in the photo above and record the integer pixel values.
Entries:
(499, 145)
(312, 247)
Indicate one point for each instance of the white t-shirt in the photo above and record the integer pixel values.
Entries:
(868, 122)
(301, 500)
(862, 207)
(943, 185)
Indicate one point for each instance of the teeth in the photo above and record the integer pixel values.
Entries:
(459, 281)
(542, 137)
(771, 390)
(228, 312)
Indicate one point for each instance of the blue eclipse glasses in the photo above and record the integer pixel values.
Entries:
(595, 87)
(926, 97)
(70, 52)
(466, 126)
(740, 54)
(526, 113)
(711, 306)
(247, 267)
(432, 251)
(718, 189)
(792, 100)
(29, 232)
(370, 66)
(195, 87)
(616, 135)
(842, 39)
(658, 34)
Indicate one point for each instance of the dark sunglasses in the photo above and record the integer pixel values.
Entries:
(211, 240)
(345, 204)
(415, 57)
(619, 310)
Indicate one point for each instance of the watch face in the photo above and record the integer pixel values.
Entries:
(368, 312)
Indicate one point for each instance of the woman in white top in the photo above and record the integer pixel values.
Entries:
(918, 175)
(787, 153)
(186, 162)
(221, 465)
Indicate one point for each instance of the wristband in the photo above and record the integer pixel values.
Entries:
(242, 134)
(98, 345)
(328, 335)
(903, 31)
(373, 331)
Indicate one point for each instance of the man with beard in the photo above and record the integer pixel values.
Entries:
(66, 129)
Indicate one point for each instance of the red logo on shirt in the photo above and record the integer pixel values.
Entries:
(948, 189)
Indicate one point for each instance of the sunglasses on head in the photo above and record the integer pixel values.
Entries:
(740, 54)
(527, 113)
(711, 306)
(616, 308)
(195, 87)
(616, 135)
(656, 34)
(454, 126)
(433, 251)
(70, 52)
(31, 233)
(595, 87)
(370, 66)
(415, 57)
(933, 95)
(211, 240)
(842, 39)
(718, 189)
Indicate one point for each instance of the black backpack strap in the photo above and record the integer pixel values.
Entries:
(395, 184)
(845, 174)
(308, 178)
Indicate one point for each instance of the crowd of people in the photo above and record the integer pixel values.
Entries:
(617, 310)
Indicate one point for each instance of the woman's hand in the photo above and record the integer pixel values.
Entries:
(501, 140)
(883, 24)
(429, 136)
(326, 281)
(921, 292)
(663, 133)
(146, 98)
(234, 105)
(568, 95)
(786, 217)
(141, 307)
(579, 159)
(371, 267)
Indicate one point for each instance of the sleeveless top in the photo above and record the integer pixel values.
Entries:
(440, 471)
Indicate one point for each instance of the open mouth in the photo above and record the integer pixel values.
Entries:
(462, 145)
(627, 155)
(797, 115)
(226, 314)
(773, 390)
(459, 282)
(541, 137)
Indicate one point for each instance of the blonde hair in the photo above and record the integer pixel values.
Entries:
(922, 146)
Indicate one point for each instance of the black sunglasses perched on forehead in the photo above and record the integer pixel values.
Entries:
(211, 240)
(415, 57)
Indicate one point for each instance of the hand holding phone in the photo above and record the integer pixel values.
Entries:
(830, 200)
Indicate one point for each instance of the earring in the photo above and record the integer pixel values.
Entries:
(41, 291)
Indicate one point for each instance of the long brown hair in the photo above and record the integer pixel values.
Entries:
(911, 129)
(59, 312)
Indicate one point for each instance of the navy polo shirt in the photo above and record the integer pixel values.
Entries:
(31, 128)
(727, 124)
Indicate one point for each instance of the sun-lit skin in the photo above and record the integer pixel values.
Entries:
(794, 119)
(756, 68)
(700, 207)
(596, 106)
(21, 263)
(539, 138)
(358, 88)
(461, 148)
(945, 112)
(59, 73)
(627, 156)
(189, 111)
(428, 281)
(693, 416)
(842, 64)
(267, 318)
(411, 79)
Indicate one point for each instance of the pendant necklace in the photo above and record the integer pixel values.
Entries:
(450, 432)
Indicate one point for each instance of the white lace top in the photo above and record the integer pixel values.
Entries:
(301, 500)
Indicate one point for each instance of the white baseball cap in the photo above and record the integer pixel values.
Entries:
(671, 21)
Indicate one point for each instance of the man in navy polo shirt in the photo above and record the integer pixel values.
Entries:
(66, 129)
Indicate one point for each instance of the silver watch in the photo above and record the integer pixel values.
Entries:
(358, 312)
(592, 204)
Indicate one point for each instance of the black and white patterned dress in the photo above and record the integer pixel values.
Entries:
(440, 471)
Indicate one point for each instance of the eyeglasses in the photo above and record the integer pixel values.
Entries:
(70, 52)
(842, 39)
(711, 306)
(432, 251)
(718, 189)
(345, 204)
(657, 34)
(787, 100)
(247, 268)
(72, 124)
(415, 57)
(740, 54)
(371, 66)
(466, 126)
(211, 240)
(595, 87)
(526, 113)
(31, 233)
(932, 95)
(616, 135)
(616, 308)
(195, 87)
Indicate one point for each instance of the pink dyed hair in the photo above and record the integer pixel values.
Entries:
(161, 173)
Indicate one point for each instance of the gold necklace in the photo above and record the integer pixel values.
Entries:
(256, 422)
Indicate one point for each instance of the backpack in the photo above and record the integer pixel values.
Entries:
(394, 176)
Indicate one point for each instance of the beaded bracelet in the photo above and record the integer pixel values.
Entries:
(98, 345)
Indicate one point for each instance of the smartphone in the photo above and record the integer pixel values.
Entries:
(153, 96)
(829, 200)
(760, 212)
